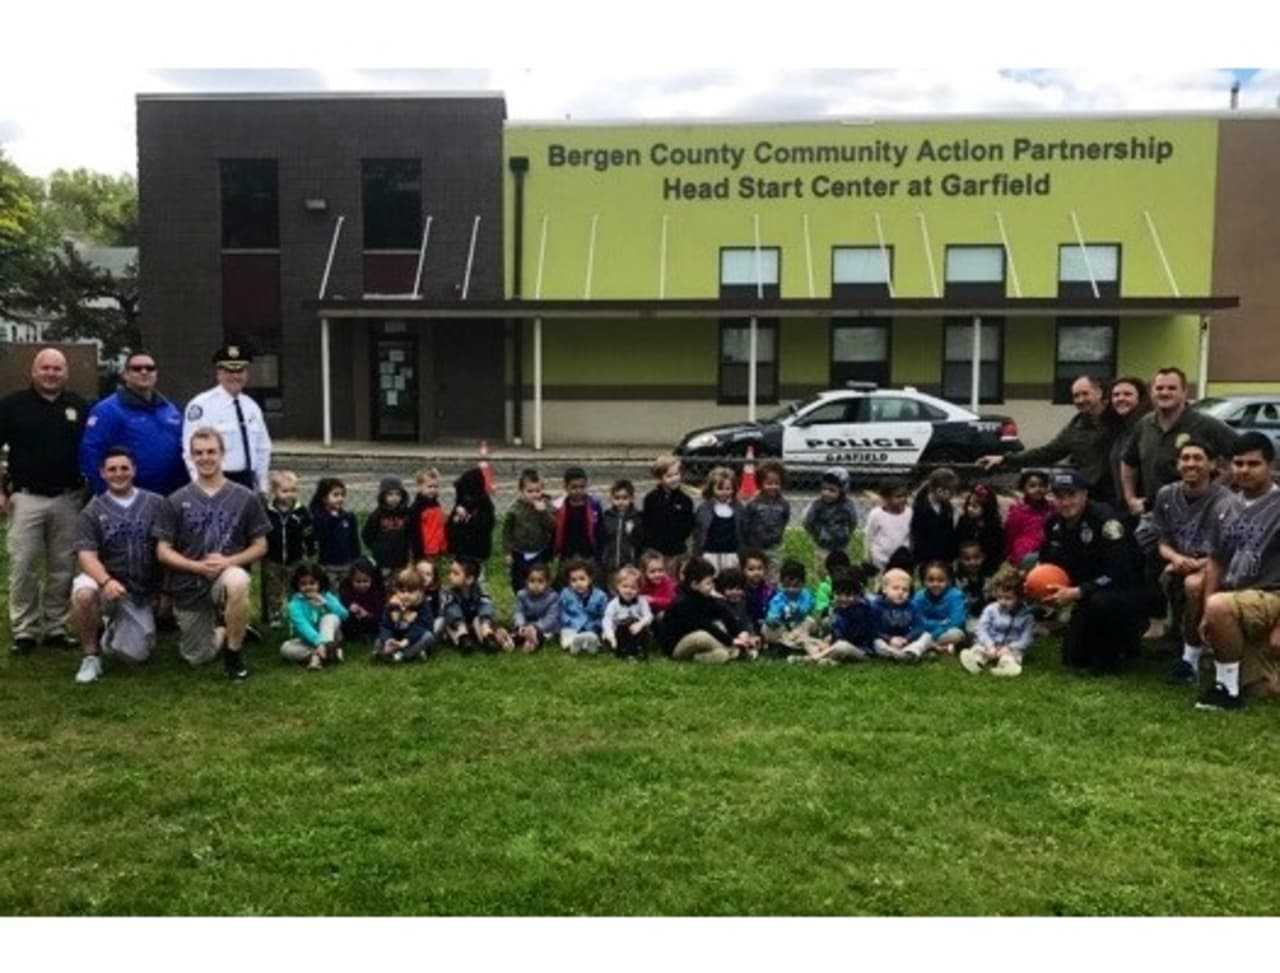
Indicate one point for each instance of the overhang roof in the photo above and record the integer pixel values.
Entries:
(409, 307)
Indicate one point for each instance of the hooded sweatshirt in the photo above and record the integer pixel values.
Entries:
(470, 527)
(831, 522)
(387, 531)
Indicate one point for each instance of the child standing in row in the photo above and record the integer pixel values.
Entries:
(620, 529)
(291, 541)
(668, 512)
(942, 608)
(387, 530)
(469, 531)
(337, 538)
(315, 618)
(889, 526)
(407, 632)
(528, 529)
(577, 518)
(980, 521)
(933, 519)
(627, 617)
(718, 521)
(899, 630)
(1005, 630)
(427, 522)
(537, 614)
(831, 518)
(1024, 527)
(766, 515)
(582, 607)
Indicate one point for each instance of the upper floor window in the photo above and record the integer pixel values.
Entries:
(861, 271)
(250, 204)
(392, 198)
(744, 269)
(1079, 268)
(975, 271)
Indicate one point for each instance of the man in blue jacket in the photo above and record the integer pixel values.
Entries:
(143, 421)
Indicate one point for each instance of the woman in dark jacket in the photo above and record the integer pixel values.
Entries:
(1129, 400)
(470, 527)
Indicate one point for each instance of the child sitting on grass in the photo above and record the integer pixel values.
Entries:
(899, 630)
(972, 576)
(627, 617)
(315, 617)
(831, 518)
(717, 523)
(789, 623)
(731, 585)
(657, 585)
(1005, 630)
(942, 608)
(836, 561)
(700, 627)
(407, 633)
(537, 614)
(582, 607)
(766, 515)
(468, 611)
(362, 594)
(852, 620)
(757, 592)
(889, 525)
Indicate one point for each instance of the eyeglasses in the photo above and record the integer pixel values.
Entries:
(142, 368)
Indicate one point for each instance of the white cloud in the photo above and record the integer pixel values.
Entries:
(50, 118)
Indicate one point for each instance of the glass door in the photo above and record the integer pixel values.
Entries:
(395, 387)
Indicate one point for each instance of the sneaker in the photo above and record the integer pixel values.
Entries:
(971, 661)
(1183, 673)
(827, 661)
(398, 657)
(337, 654)
(1219, 698)
(909, 656)
(1007, 665)
(233, 664)
(23, 646)
(315, 663)
(90, 669)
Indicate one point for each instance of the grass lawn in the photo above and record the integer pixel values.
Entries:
(550, 785)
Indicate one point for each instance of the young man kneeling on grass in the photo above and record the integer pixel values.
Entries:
(116, 551)
(1241, 625)
(208, 536)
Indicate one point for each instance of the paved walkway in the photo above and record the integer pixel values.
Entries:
(350, 450)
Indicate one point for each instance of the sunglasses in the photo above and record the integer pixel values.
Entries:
(142, 368)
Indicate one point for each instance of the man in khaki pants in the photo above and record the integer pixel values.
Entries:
(42, 426)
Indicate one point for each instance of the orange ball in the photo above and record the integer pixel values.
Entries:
(1043, 579)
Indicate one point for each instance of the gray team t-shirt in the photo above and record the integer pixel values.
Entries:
(1184, 522)
(122, 537)
(197, 524)
(1247, 543)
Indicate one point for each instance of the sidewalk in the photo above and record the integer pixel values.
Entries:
(357, 450)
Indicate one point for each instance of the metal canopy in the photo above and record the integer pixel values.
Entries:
(780, 308)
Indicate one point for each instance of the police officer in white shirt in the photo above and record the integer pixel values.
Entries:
(236, 416)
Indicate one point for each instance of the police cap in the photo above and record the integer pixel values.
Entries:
(1064, 481)
(232, 356)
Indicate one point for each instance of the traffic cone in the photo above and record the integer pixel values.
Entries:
(485, 469)
(747, 487)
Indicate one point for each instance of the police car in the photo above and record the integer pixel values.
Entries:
(861, 427)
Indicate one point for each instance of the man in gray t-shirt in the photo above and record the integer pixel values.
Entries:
(1242, 582)
(118, 571)
(211, 533)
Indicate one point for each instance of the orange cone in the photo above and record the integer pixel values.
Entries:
(485, 469)
(747, 487)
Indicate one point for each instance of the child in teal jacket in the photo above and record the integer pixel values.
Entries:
(315, 618)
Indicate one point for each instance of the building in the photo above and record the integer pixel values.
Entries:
(571, 282)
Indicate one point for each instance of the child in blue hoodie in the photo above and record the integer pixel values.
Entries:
(943, 608)
(789, 622)
(852, 619)
(899, 629)
(582, 607)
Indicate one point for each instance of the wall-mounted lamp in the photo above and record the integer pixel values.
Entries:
(315, 204)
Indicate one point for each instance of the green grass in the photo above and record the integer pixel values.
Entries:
(550, 785)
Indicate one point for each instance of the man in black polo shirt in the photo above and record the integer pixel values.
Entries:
(42, 426)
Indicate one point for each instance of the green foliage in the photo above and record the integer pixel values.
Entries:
(84, 301)
(94, 206)
(26, 236)
(546, 785)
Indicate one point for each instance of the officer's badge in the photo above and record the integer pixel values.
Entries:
(72, 414)
(1182, 439)
(1113, 530)
(1086, 534)
(194, 412)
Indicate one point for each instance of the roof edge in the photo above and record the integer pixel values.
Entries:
(425, 95)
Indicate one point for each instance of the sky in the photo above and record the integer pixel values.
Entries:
(46, 123)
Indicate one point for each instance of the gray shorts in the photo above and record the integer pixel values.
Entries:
(200, 641)
(130, 630)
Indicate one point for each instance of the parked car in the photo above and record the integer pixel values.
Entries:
(1246, 413)
(863, 428)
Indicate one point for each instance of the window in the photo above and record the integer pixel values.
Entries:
(735, 356)
(1085, 346)
(861, 271)
(250, 204)
(860, 351)
(392, 202)
(893, 409)
(739, 268)
(975, 271)
(1075, 264)
(845, 410)
(957, 360)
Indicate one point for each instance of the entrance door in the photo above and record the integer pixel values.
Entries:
(395, 387)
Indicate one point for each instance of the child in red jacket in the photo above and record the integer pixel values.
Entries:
(656, 584)
(427, 518)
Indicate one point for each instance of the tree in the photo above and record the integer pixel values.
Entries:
(94, 206)
(27, 237)
(83, 301)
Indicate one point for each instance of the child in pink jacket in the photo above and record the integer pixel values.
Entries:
(1024, 526)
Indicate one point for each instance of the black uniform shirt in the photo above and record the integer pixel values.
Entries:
(1097, 551)
(43, 439)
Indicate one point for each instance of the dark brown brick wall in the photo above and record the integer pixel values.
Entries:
(318, 143)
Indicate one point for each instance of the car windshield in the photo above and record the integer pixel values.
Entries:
(791, 409)
(1212, 404)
